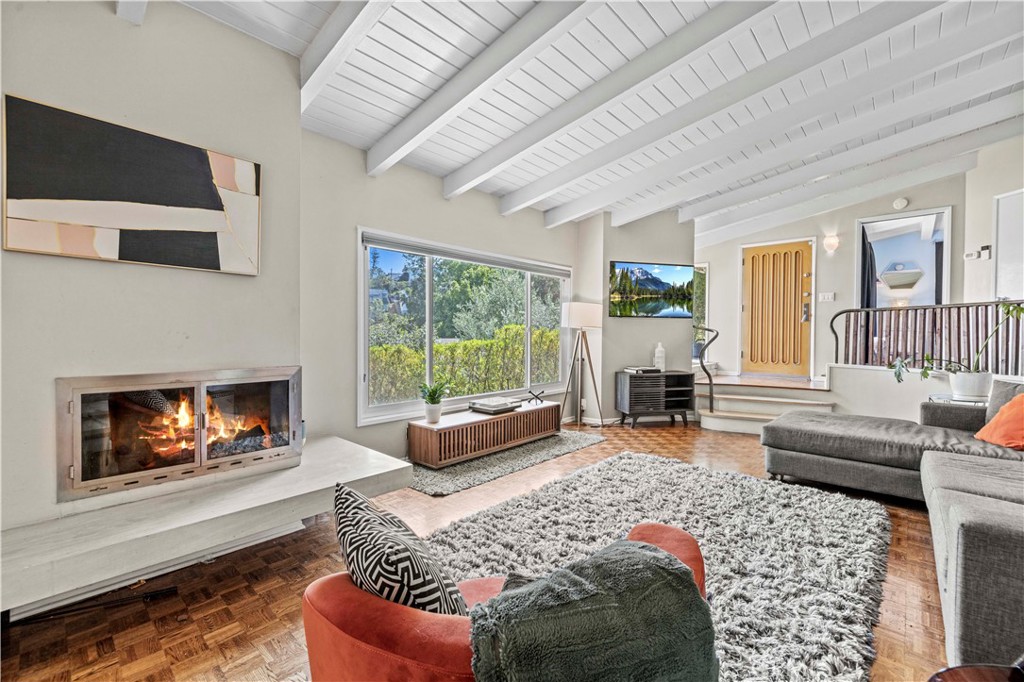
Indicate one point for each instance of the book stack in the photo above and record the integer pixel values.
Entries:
(641, 370)
(494, 405)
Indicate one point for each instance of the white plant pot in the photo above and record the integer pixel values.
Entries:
(970, 385)
(433, 413)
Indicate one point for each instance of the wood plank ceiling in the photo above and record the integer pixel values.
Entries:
(722, 111)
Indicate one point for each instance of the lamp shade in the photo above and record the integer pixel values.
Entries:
(577, 315)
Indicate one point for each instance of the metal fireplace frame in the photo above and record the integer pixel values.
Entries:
(69, 428)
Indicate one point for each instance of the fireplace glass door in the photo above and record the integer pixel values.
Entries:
(131, 431)
(125, 432)
(246, 417)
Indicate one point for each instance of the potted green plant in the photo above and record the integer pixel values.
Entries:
(966, 380)
(433, 394)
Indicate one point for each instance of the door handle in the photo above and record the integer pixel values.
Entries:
(806, 317)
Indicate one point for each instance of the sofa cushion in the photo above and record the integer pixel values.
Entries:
(890, 442)
(1002, 392)
(995, 478)
(386, 558)
(979, 550)
(1007, 427)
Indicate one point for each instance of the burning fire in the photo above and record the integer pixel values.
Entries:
(170, 434)
(221, 429)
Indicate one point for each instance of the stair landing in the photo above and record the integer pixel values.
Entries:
(766, 381)
(745, 404)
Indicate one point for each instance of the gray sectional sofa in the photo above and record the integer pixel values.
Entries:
(974, 492)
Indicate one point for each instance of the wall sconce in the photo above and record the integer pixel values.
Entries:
(831, 243)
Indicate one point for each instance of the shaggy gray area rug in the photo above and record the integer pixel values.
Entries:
(794, 574)
(458, 477)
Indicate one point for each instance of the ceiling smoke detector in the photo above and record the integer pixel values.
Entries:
(901, 203)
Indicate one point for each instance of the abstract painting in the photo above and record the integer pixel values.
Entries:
(80, 187)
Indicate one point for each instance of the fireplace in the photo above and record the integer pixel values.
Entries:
(122, 432)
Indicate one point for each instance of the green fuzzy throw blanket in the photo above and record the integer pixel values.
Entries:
(630, 612)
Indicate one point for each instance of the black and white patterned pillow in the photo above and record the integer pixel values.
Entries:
(385, 557)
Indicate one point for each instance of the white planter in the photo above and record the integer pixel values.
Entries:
(433, 413)
(970, 385)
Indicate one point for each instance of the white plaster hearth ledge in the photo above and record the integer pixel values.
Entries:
(56, 562)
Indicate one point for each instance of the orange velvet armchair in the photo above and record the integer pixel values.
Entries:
(355, 635)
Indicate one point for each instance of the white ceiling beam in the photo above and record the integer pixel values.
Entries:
(132, 10)
(1003, 74)
(524, 40)
(847, 35)
(711, 27)
(977, 38)
(337, 39)
(900, 163)
(948, 126)
(854, 195)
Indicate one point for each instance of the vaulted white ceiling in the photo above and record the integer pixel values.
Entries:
(722, 111)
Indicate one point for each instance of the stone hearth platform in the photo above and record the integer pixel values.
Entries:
(48, 564)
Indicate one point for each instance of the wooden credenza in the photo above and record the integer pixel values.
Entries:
(466, 435)
(661, 394)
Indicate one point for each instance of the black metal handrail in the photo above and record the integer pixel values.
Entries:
(960, 325)
(700, 358)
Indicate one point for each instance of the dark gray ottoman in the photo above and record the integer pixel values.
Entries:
(869, 453)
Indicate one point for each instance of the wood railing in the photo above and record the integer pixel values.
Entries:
(951, 332)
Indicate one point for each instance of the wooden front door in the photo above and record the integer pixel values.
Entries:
(777, 289)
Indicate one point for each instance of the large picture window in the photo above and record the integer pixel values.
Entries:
(483, 324)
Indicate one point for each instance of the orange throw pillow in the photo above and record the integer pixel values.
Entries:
(1007, 427)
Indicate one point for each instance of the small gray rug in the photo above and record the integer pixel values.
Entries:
(794, 573)
(458, 477)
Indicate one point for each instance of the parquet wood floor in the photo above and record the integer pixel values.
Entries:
(240, 617)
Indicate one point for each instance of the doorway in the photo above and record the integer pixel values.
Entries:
(778, 282)
(903, 259)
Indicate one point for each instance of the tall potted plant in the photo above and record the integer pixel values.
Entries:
(966, 380)
(433, 394)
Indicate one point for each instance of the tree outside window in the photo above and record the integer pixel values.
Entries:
(481, 329)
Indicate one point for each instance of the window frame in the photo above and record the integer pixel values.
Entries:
(368, 415)
(707, 298)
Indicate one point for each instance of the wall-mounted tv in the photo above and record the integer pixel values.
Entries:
(650, 290)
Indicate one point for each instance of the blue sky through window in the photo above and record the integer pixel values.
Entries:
(388, 261)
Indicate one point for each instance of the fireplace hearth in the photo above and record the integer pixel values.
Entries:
(122, 432)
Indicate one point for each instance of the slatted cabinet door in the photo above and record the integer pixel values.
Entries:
(777, 285)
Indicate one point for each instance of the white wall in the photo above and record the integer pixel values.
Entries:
(873, 391)
(337, 198)
(1000, 170)
(833, 273)
(589, 286)
(659, 238)
(180, 76)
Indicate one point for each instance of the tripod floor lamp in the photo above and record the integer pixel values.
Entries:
(580, 316)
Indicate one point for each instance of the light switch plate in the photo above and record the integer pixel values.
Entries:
(826, 296)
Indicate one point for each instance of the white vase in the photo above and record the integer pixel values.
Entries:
(970, 385)
(433, 413)
(659, 357)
